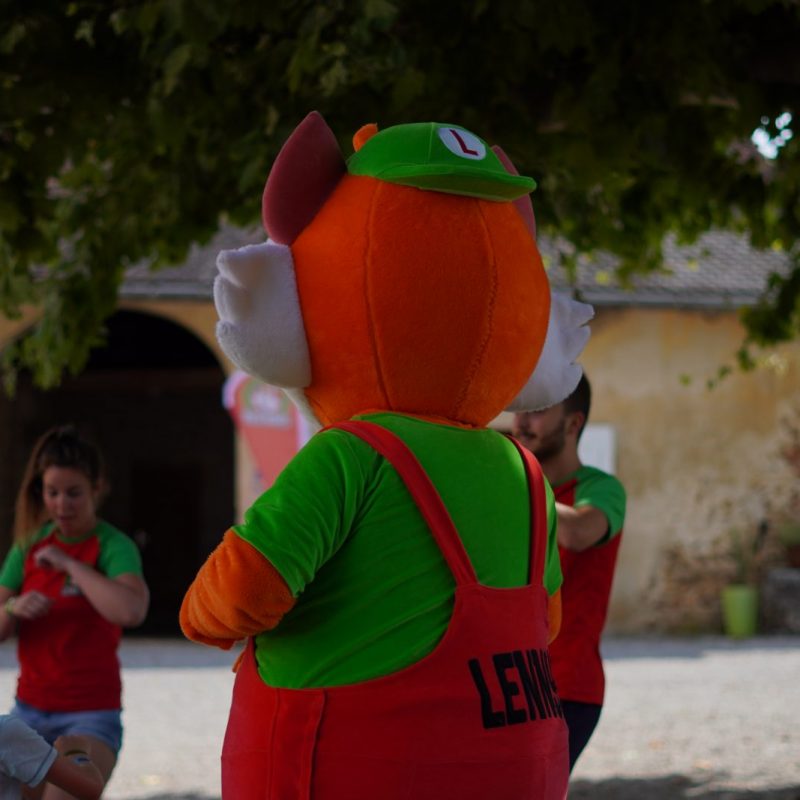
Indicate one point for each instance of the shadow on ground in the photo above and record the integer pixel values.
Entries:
(189, 796)
(623, 648)
(671, 787)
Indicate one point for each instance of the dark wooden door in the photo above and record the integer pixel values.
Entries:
(165, 523)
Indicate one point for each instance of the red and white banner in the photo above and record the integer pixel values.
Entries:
(269, 422)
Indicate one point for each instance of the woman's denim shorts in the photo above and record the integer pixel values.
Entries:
(103, 725)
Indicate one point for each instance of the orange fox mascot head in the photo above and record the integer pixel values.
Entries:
(406, 279)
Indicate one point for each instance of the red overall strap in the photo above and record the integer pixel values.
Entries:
(538, 513)
(419, 485)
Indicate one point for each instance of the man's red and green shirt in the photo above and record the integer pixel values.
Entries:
(588, 575)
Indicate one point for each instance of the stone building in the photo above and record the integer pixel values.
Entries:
(697, 463)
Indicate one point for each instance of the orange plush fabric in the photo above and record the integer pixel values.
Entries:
(237, 593)
(364, 134)
(417, 302)
(554, 615)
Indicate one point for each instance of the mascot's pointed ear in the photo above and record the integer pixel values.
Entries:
(523, 204)
(363, 135)
(306, 171)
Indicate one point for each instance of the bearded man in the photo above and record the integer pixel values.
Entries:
(590, 505)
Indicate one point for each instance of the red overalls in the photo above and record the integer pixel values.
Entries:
(476, 718)
(68, 658)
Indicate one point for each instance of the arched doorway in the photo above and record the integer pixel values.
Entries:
(152, 399)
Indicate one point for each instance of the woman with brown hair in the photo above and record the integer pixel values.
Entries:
(69, 584)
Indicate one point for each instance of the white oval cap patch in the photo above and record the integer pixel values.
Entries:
(463, 143)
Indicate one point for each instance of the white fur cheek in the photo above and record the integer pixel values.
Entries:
(228, 341)
(556, 374)
(231, 301)
(261, 325)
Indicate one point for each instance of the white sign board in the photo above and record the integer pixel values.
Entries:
(598, 447)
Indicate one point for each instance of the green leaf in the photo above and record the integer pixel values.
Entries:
(174, 65)
(85, 32)
(12, 37)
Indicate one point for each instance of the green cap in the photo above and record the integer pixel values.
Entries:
(439, 158)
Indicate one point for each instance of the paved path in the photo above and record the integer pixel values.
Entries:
(701, 718)
(706, 719)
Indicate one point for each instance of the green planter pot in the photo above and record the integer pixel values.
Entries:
(739, 610)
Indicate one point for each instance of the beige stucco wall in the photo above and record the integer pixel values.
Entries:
(696, 463)
(198, 316)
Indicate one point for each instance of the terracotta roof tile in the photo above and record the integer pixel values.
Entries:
(720, 270)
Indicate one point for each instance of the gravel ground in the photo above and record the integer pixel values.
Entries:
(698, 718)
(684, 718)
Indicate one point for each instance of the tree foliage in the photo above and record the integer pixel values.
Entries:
(130, 128)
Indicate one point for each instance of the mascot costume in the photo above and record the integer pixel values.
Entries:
(398, 584)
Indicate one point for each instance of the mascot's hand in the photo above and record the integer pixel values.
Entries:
(556, 374)
(260, 325)
(237, 593)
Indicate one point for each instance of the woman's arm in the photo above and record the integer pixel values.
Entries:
(7, 621)
(122, 600)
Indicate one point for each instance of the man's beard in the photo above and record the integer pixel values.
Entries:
(551, 444)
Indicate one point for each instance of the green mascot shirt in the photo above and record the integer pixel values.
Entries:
(373, 592)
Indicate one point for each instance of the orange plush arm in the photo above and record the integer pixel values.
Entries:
(237, 593)
(554, 616)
